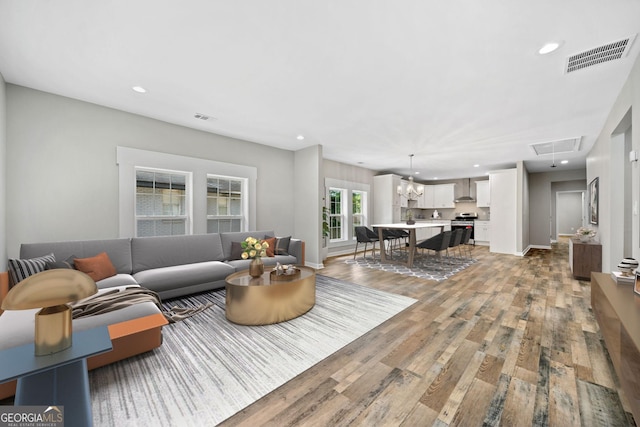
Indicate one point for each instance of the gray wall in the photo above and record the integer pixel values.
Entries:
(3, 175)
(63, 178)
(570, 212)
(600, 164)
(541, 197)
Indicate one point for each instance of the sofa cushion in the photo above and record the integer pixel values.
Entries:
(166, 251)
(119, 250)
(239, 236)
(98, 267)
(177, 276)
(116, 281)
(20, 269)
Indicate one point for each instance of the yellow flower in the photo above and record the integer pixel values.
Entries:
(265, 245)
(258, 246)
(252, 253)
(244, 255)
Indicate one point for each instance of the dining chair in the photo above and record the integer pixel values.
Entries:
(466, 237)
(456, 238)
(365, 235)
(438, 243)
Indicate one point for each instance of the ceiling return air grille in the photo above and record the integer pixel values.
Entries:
(598, 55)
(569, 145)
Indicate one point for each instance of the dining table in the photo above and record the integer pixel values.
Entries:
(411, 228)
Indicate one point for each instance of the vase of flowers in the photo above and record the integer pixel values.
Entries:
(254, 249)
(585, 234)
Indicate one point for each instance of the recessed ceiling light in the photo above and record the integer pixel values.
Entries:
(139, 89)
(564, 162)
(549, 47)
(417, 173)
(476, 166)
(435, 177)
(300, 137)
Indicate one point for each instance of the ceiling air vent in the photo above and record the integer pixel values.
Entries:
(568, 145)
(598, 55)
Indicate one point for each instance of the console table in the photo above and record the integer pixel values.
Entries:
(59, 378)
(617, 310)
(584, 257)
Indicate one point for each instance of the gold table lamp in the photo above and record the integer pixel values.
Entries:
(51, 290)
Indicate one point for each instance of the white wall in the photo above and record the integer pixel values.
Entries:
(3, 176)
(504, 203)
(599, 164)
(62, 174)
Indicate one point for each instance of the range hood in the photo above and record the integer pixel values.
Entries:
(467, 197)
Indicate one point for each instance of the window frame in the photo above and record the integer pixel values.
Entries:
(363, 215)
(348, 228)
(187, 217)
(242, 216)
(128, 159)
(342, 215)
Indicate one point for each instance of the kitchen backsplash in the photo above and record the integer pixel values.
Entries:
(483, 213)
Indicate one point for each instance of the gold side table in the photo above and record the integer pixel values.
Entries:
(262, 301)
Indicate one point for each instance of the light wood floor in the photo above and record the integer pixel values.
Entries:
(510, 341)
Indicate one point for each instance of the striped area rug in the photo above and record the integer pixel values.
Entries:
(208, 368)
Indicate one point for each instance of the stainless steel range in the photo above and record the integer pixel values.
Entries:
(464, 220)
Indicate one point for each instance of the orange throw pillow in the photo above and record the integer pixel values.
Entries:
(98, 267)
(272, 246)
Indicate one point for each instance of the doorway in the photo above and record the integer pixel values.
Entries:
(571, 212)
(622, 234)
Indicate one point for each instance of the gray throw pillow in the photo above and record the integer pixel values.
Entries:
(67, 263)
(236, 251)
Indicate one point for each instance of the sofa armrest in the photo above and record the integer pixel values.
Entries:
(296, 248)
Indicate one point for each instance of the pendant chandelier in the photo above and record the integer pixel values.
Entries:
(412, 191)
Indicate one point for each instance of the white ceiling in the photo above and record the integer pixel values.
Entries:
(456, 83)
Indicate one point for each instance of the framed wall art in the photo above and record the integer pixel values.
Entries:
(593, 201)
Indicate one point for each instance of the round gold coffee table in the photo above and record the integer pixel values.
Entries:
(262, 301)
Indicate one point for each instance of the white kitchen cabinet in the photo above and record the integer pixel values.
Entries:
(426, 200)
(482, 232)
(483, 194)
(386, 200)
(444, 196)
(404, 202)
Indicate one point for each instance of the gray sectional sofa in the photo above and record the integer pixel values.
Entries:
(172, 266)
